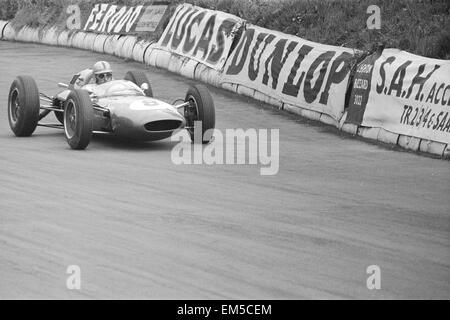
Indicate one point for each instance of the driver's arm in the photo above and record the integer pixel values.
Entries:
(85, 77)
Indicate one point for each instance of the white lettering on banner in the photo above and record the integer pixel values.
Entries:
(123, 19)
(200, 34)
(410, 95)
(114, 19)
(365, 68)
(98, 16)
(361, 89)
(134, 15)
(111, 11)
(91, 17)
(361, 84)
(291, 69)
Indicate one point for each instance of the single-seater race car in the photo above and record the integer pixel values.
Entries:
(125, 108)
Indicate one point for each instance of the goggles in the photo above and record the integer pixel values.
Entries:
(104, 75)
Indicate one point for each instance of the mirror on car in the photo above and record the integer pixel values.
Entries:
(62, 85)
(144, 86)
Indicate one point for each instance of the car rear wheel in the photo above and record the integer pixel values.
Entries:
(23, 106)
(139, 78)
(201, 109)
(78, 119)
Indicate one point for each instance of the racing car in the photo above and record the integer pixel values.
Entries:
(125, 108)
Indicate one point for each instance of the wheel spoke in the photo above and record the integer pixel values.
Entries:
(191, 113)
(15, 106)
(70, 119)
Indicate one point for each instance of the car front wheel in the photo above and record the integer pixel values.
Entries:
(78, 119)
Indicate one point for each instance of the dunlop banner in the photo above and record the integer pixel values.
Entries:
(113, 19)
(200, 34)
(409, 95)
(296, 71)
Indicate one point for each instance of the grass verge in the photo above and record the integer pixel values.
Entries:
(419, 26)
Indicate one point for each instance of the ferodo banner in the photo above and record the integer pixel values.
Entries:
(409, 95)
(200, 34)
(296, 71)
(110, 18)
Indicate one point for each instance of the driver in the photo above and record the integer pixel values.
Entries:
(101, 72)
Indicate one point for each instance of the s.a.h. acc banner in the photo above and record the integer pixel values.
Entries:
(296, 71)
(200, 34)
(409, 95)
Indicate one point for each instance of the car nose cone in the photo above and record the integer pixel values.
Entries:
(148, 124)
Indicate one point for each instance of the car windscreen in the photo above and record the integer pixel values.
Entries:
(117, 88)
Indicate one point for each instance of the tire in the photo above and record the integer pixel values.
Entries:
(23, 106)
(139, 77)
(78, 119)
(202, 109)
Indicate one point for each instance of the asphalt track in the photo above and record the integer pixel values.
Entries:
(140, 226)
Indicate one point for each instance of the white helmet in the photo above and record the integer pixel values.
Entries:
(102, 67)
(102, 71)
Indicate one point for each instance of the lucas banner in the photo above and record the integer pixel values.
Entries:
(296, 71)
(113, 19)
(409, 95)
(200, 34)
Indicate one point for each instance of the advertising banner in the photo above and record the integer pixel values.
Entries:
(114, 19)
(296, 71)
(200, 34)
(360, 89)
(409, 95)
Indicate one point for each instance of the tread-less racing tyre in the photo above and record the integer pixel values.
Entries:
(201, 109)
(139, 77)
(23, 106)
(78, 119)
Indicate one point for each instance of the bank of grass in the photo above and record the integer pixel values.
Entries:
(418, 26)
